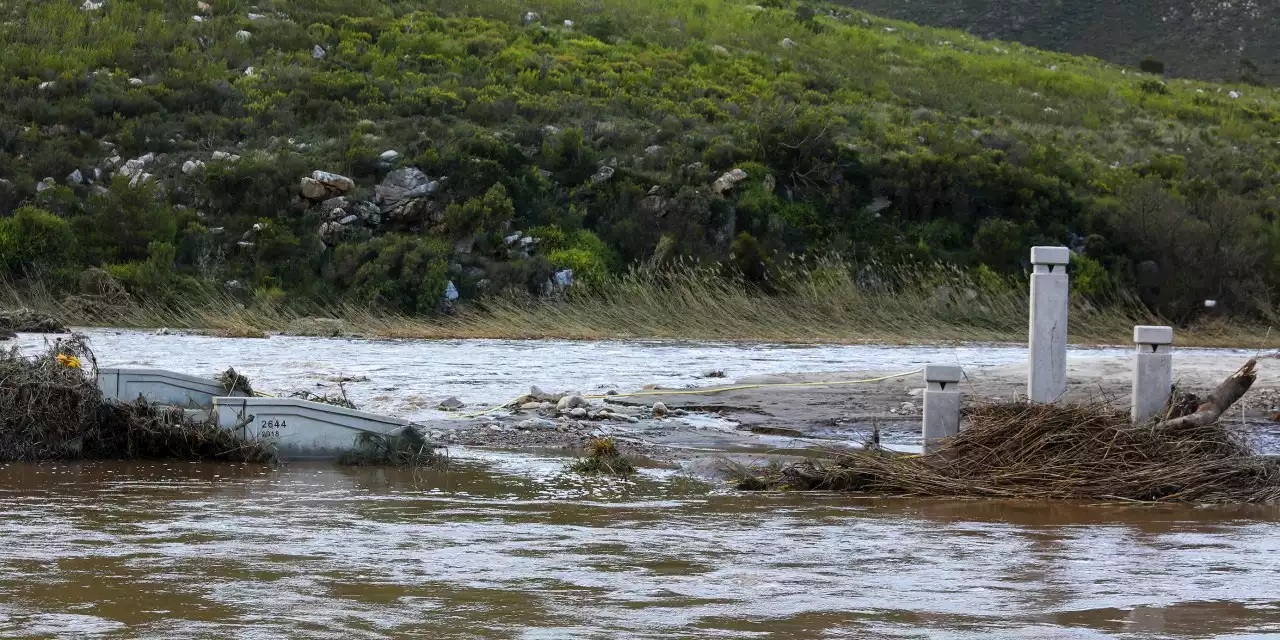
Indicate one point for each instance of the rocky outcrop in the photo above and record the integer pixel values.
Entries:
(322, 185)
(728, 181)
(332, 233)
(603, 174)
(407, 196)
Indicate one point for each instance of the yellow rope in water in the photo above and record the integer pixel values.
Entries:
(697, 392)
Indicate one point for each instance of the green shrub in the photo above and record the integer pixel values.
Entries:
(397, 271)
(33, 239)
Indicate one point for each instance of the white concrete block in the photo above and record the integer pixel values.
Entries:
(301, 429)
(942, 403)
(159, 387)
(1152, 335)
(943, 373)
(1050, 255)
(1152, 372)
(1047, 333)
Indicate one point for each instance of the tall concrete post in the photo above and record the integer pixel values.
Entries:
(1047, 376)
(1152, 371)
(941, 403)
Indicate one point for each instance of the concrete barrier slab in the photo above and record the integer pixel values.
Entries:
(159, 387)
(301, 429)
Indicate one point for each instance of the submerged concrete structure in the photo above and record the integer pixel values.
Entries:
(301, 429)
(158, 386)
(1047, 339)
(942, 403)
(1152, 371)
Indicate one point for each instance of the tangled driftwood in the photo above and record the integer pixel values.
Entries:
(1058, 451)
(52, 409)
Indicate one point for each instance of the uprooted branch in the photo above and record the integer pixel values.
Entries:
(1227, 394)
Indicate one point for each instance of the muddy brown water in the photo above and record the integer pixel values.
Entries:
(502, 545)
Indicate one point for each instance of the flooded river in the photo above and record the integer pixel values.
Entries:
(514, 547)
(511, 545)
(408, 378)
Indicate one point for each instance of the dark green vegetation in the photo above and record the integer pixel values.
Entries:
(609, 142)
(1231, 41)
(52, 409)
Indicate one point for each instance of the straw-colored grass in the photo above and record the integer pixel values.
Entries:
(818, 304)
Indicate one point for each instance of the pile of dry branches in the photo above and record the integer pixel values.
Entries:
(1039, 451)
(51, 409)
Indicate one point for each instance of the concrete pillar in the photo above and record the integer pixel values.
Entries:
(941, 403)
(1047, 377)
(1152, 371)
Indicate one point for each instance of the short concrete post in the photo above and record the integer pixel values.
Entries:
(941, 403)
(1047, 377)
(1152, 371)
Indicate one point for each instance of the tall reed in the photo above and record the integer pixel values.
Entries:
(821, 301)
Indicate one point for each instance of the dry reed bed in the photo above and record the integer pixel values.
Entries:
(1049, 452)
(822, 304)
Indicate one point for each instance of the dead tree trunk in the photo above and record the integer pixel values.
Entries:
(1220, 400)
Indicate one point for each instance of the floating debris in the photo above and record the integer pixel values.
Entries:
(1039, 451)
(51, 408)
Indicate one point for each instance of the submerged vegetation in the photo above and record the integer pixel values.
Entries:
(603, 457)
(52, 409)
(1049, 452)
(404, 448)
(486, 148)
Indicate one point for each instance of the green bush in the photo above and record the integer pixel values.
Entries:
(482, 214)
(33, 239)
(394, 271)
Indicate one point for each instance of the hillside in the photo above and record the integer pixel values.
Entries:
(1206, 39)
(405, 153)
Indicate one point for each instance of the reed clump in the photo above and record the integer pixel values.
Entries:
(603, 457)
(407, 447)
(234, 382)
(1049, 452)
(827, 300)
(52, 409)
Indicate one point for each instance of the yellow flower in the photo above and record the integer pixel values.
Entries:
(68, 361)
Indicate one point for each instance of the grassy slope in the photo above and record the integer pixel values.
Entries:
(889, 92)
